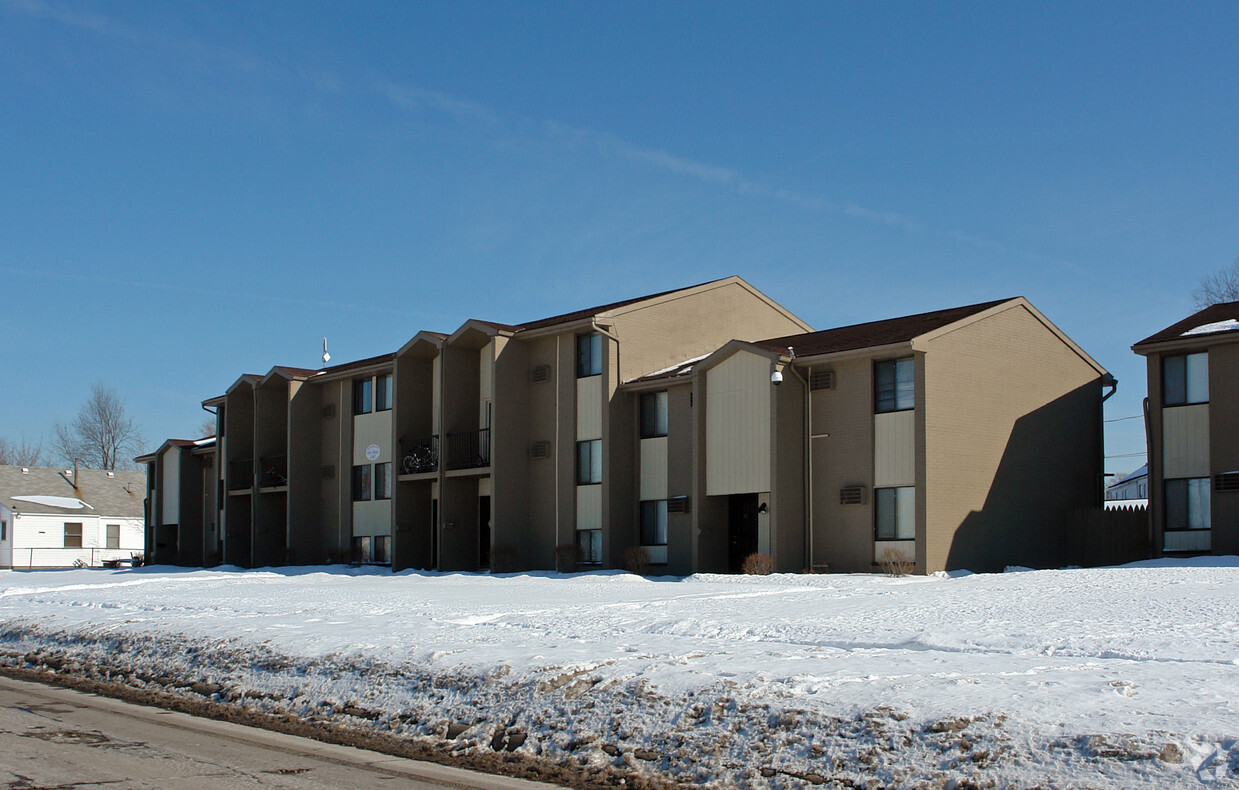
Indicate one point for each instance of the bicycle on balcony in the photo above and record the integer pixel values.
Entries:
(421, 459)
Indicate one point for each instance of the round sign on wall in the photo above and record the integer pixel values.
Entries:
(372, 452)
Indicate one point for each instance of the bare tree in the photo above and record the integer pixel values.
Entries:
(20, 454)
(102, 436)
(207, 428)
(1221, 286)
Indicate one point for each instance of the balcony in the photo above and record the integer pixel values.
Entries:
(241, 474)
(419, 455)
(468, 449)
(274, 472)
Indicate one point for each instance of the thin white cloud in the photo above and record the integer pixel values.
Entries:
(421, 99)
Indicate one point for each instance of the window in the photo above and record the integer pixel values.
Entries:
(588, 355)
(589, 462)
(1185, 379)
(894, 386)
(382, 392)
(654, 522)
(361, 483)
(361, 396)
(113, 536)
(1187, 504)
(4, 530)
(894, 513)
(73, 535)
(382, 481)
(653, 414)
(589, 545)
(382, 548)
(361, 549)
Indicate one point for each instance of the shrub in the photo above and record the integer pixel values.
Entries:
(758, 565)
(502, 559)
(567, 558)
(637, 560)
(895, 563)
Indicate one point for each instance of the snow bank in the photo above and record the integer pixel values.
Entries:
(1115, 677)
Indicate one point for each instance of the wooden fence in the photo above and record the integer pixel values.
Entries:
(1110, 537)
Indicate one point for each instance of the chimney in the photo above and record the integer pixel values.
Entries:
(74, 474)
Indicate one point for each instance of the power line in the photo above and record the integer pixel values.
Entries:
(1126, 455)
(1120, 419)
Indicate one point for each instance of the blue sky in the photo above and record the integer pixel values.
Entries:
(194, 190)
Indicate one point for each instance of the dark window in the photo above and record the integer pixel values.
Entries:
(654, 522)
(73, 535)
(361, 483)
(382, 548)
(1185, 379)
(1187, 504)
(113, 536)
(589, 545)
(894, 387)
(894, 513)
(361, 549)
(588, 355)
(653, 414)
(589, 462)
(382, 481)
(4, 530)
(361, 396)
(382, 393)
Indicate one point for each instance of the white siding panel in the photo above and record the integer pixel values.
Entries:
(589, 408)
(654, 468)
(905, 549)
(589, 507)
(371, 429)
(738, 425)
(1190, 540)
(172, 487)
(1185, 441)
(894, 449)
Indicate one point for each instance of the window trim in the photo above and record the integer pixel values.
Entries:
(591, 364)
(660, 418)
(363, 390)
(80, 534)
(363, 483)
(595, 469)
(895, 365)
(651, 507)
(1185, 374)
(384, 393)
(879, 496)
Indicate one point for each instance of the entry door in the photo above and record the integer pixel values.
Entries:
(741, 528)
(483, 532)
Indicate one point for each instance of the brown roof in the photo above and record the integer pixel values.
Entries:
(873, 333)
(593, 311)
(1226, 311)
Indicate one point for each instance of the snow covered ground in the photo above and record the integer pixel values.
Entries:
(1109, 678)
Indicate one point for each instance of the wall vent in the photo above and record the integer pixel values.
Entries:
(329, 411)
(1227, 481)
(329, 473)
(821, 380)
(540, 450)
(540, 374)
(852, 495)
(678, 504)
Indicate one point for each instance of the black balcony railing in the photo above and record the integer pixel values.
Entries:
(468, 449)
(419, 455)
(274, 471)
(241, 474)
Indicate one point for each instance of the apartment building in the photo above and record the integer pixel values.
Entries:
(1192, 425)
(702, 425)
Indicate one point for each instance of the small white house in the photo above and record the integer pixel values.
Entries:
(53, 518)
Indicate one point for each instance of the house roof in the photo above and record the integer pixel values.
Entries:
(590, 312)
(1213, 320)
(873, 333)
(51, 492)
(1143, 471)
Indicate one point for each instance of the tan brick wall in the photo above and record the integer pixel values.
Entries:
(1012, 443)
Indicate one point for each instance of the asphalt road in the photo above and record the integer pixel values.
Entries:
(59, 738)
